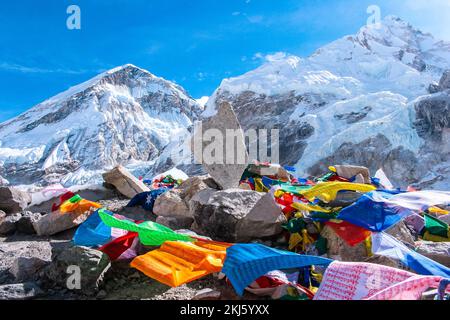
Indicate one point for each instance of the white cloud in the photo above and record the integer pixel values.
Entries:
(25, 69)
(255, 19)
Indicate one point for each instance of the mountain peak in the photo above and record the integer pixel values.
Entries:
(126, 67)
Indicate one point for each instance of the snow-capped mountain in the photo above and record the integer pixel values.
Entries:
(378, 98)
(353, 101)
(123, 116)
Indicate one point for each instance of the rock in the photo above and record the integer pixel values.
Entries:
(171, 204)
(338, 249)
(345, 198)
(434, 88)
(92, 265)
(2, 216)
(175, 202)
(385, 261)
(273, 170)
(227, 175)
(102, 294)
(444, 83)
(207, 294)
(175, 223)
(27, 221)
(13, 200)
(125, 182)
(56, 222)
(437, 251)
(348, 172)
(8, 225)
(26, 269)
(236, 215)
(20, 291)
(401, 232)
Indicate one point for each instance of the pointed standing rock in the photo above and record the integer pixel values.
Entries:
(225, 168)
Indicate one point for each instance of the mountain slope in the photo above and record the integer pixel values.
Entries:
(123, 116)
(351, 102)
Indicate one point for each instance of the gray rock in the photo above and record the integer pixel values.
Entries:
(27, 221)
(437, 251)
(175, 223)
(345, 198)
(385, 261)
(175, 202)
(207, 294)
(434, 88)
(401, 232)
(102, 294)
(125, 182)
(236, 215)
(444, 83)
(55, 222)
(433, 117)
(93, 265)
(20, 291)
(26, 269)
(226, 175)
(9, 224)
(13, 200)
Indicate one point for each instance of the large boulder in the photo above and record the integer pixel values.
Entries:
(55, 222)
(20, 291)
(13, 200)
(437, 251)
(91, 264)
(125, 182)
(236, 215)
(227, 175)
(175, 202)
(26, 269)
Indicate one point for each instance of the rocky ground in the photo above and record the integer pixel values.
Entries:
(120, 282)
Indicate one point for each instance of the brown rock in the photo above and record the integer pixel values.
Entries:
(125, 182)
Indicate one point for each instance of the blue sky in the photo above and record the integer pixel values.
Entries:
(195, 43)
